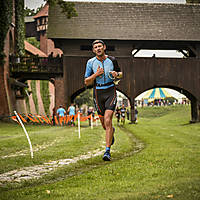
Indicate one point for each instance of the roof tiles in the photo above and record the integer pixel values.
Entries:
(127, 21)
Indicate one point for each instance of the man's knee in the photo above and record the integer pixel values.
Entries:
(108, 122)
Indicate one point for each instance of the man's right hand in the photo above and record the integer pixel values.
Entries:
(90, 79)
(99, 71)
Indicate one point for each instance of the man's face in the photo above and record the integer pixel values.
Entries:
(99, 49)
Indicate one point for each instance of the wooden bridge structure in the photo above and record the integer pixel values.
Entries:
(35, 68)
(126, 27)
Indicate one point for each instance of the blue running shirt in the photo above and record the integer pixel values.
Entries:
(61, 112)
(109, 64)
(71, 110)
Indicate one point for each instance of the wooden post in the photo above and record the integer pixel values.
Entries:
(195, 110)
(133, 111)
(199, 111)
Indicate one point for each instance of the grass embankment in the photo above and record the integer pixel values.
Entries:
(167, 167)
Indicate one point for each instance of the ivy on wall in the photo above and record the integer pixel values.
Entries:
(6, 13)
(20, 27)
(27, 104)
(34, 94)
(6, 8)
(44, 90)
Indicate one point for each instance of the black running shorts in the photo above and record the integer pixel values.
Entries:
(105, 99)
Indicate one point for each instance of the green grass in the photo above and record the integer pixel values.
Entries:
(166, 168)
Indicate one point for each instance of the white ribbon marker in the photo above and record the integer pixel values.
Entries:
(91, 118)
(29, 141)
(79, 126)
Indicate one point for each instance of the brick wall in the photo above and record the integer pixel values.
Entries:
(4, 107)
(3, 100)
(59, 93)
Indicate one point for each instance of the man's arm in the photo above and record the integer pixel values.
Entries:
(68, 109)
(90, 80)
(116, 74)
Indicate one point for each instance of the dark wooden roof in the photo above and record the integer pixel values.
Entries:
(127, 21)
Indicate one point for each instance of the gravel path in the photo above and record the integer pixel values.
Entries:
(37, 171)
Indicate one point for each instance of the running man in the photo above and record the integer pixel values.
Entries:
(123, 114)
(71, 110)
(101, 70)
(61, 113)
(117, 114)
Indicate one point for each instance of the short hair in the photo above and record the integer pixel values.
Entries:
(98, 41)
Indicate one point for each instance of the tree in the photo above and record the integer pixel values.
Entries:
(68, 8)
(33, 41)
(84, 98)
(32, 12)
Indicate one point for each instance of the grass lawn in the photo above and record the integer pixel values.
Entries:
(158, 158)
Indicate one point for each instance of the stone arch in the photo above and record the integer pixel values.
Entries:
(194, 101)
(125, 94)
(181, 90)
(75, 94)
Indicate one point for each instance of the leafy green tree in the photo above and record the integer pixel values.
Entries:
(29, 12)
(20, 27)
(32, 12)
(84, 98)
(6, 8)
(68, 8)
(33, 41)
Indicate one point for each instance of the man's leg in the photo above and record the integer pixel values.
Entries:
(108, 126)
(102, 122)
(109, 119)
(109, 133)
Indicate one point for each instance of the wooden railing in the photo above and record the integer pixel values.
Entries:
(35, 64)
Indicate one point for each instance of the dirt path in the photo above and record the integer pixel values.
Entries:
(37, 171)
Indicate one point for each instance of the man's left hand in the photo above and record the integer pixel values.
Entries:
(114, 73)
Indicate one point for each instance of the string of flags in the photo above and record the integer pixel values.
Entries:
(41, 119)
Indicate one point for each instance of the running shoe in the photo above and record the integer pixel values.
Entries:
(113, 139)
(107, 156)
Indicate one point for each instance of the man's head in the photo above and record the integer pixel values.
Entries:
(98, 47)
(97, 41)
